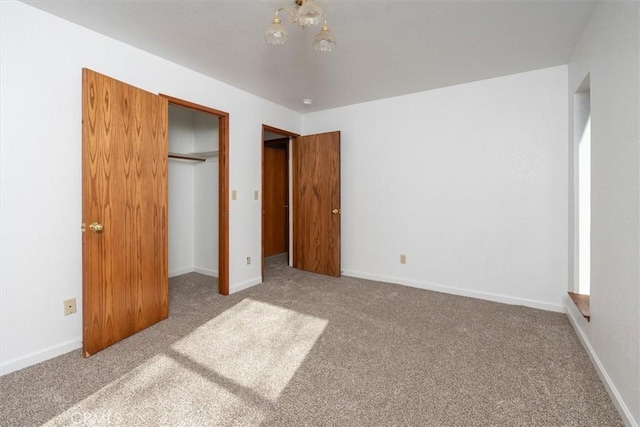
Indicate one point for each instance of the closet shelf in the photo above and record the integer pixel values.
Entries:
(197, 157)
(205, 154)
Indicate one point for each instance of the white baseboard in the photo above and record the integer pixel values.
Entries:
(40, 356)
(244, 285)
(180, 272)
(577, 321)
(457, 291)
(206, 271)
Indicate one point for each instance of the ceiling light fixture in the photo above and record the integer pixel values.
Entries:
(306, 13)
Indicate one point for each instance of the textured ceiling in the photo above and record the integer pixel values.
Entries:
(385, 48)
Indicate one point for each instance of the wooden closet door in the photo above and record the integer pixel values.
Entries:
(124, 210)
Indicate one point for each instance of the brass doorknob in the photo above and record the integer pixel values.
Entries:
(336, 211)
(96, 227)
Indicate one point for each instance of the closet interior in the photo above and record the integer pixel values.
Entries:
(193, 191)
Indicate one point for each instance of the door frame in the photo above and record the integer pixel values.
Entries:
(223, 187)
(285, 134)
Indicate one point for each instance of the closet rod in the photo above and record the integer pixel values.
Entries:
(186, 157)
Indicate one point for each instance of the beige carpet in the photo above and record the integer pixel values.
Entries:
(304, 349)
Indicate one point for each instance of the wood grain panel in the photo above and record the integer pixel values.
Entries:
(125, 267)
(275, 201)
(316, 193)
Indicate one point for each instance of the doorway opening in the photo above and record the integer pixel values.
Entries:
(313, 203)
(276, 196)
(198, 189)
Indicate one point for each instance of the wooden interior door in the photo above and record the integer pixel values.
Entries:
(316, 203)
(124, 210)
(276, 195)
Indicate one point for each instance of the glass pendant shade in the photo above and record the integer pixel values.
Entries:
(276, 32)
(324, 41)
(305, 13)
(309, 13)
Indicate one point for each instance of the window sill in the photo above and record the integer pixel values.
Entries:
(582, 302)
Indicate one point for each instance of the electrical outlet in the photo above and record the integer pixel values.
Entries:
(255, 195)
(69, 306)
(403, 259)
(234, 195)
(248, 260)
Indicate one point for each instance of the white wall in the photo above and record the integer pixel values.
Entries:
(206, 197)
(40, 176)
(609, 51)
(181, 194)
(206, 218)
(469, 181)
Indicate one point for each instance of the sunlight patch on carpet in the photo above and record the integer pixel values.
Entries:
(255, 345)
(230, 370)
